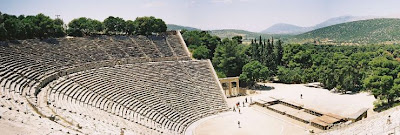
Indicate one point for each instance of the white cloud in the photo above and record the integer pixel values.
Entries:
(221, 1)
(154, 4)
(228, 1)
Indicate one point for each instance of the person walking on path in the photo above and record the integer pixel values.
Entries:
(301, 96)
(245, 100)
(239, 124)
(234, 110)
(239, 110)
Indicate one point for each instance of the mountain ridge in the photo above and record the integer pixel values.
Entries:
(371, 31)
(294, 29)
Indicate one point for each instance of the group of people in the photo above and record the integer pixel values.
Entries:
(238, 107)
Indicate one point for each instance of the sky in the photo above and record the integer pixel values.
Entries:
(251, 15)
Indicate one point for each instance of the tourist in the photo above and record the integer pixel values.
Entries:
(239, 124)
(243, 104)
(239, 110)
(245, 100)
(301, 96)
(388, 121)
(234, 110)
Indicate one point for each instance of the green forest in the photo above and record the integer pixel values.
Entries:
(374, 68)
(41, 26)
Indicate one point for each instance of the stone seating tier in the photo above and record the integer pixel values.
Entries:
(138, 84)
(164, 93)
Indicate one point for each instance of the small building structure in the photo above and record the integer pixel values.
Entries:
(229, 89)
(323, 121)
(360, 114)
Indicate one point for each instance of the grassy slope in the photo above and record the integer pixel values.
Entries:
(381, 31)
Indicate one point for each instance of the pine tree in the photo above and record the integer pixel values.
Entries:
(269, 55)
(278, 53)
(254, 50)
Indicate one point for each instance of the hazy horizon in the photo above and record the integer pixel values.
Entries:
(251, 15)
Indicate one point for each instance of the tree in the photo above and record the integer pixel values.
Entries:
(195, 39)
(77, 27)
(238, 39)
(253, 72)
(31, 28)
(269, 55)
(58, 28)
(95, 26)
(380, 86)
(210, 41)
(58, 22)
(14, 28)
(229, 58)
(287, 75)
(201, 52)
(24, 27)
(130, 27)
(344, 76)
(3, 30)
(278, 53)
(47, 27)
(84, 26)
(302, 59)
(114, 25)
(148, 25)
(383, 80)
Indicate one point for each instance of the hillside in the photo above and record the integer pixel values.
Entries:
(384, 30)
(229, 33)
(247, 35)
(179, 27)
(282, 28)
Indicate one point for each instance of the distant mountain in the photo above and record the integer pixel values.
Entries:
(372, 31)
(282, 28)
(179, 27)
(341, 19)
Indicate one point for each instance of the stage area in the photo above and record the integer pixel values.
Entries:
(253, 121)
(256, 120)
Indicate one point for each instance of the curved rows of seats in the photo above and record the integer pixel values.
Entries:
(164, 96)
(92, 120)
(32, 63)
(107, 84)
(16, 112)
(379, 124)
